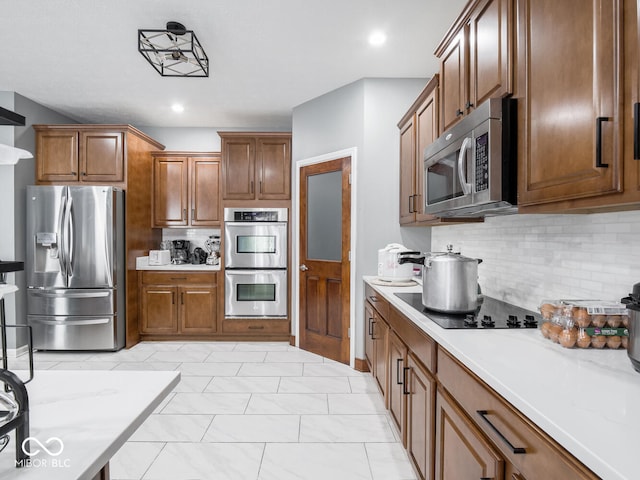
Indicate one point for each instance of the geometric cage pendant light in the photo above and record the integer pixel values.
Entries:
(174, 52)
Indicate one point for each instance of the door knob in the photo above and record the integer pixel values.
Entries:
(303, 268)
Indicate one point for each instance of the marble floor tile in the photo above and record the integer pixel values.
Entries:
(207, 403)
(148, 366)
(300, 356)
(208, 347)
(207, 461)
(330, 370)
(132, 355)
(178, 356)
(244, 384)
(164, 402)
(270, 370)
(224, 357)
(290, 403)
(61, 356)
(210, 369)
(262, 347)
(164, 346)
(314, 461)
(314, 385)
(389, 461)
(356, 403)
(364, 384)
(133, 459)
(253, 428)
(172, 428)
(85, 365)
(192, 384)
(345, 428)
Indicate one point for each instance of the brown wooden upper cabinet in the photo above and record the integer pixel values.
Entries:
(476, 59)
(418, 128)
(256, 166)
(89, 154)
(576, 104)
(186, 189)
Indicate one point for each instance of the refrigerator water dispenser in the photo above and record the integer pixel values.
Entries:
(46, 252)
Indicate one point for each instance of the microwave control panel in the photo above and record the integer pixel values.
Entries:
(482, 163)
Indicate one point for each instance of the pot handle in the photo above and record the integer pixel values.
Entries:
(416, 260)
(479, 261)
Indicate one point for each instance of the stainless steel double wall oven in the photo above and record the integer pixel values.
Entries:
(255, 247)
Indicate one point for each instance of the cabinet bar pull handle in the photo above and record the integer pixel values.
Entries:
(599, 122)
(178, 278)
(256, 327)
(173, 298)
(373, 298)
(193, 214)
(372, 337)
(371, 327)
(404, 380)
(260, 186)
(410, 203)
(251, 186)
(513, 449)
(182, 298)
(459, 113)
(636, 131)
(184, 214)
(398, 362)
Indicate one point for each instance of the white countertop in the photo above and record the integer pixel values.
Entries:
(587, 400)
(93, 413)
(142, 263)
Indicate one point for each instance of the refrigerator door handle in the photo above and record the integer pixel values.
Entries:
(62, 254)
(70, 239)
(67, 294)
(88, 321)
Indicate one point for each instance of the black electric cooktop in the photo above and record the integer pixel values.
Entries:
(491, 314)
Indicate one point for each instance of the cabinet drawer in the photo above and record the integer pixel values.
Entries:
(542, 457)
(255, 326)
(179, 278)
(423, 347)
(377, 301)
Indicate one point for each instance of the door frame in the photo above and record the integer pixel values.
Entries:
(295, 226)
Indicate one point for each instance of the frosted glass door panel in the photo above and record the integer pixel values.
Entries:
(324, 216)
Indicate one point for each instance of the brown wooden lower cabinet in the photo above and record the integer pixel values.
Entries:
(380, 358)
(178, 303)
(397, 380)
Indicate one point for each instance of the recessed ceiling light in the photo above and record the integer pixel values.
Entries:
(176, 107)
(377, 38)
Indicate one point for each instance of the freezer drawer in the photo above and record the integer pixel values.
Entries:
(71, 302)
(76, 333)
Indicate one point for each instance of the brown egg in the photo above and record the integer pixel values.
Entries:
(568, 337)
(598, 341)
(581, 317)
(544, 329)
(614, 341)
(584, 340)
(546, 309)
(599, 320)
(624, 342)
(625, 320)
(554, 332)
(614, 321)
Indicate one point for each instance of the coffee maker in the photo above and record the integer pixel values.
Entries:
(180, 252)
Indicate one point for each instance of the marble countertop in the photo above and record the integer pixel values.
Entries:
(587, 400)
(142, 263)
(92, 413)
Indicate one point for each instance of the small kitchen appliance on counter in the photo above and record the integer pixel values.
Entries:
(633, 305)
(159, 257)
(389, 267)
(212, 246)
(181, 253)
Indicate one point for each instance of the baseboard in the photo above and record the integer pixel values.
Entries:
(361, 365)
(16, 352)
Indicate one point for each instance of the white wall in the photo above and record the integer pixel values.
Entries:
(527, 258)
(363, 115)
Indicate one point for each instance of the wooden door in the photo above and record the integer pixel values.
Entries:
(569, 113)
(453, 80)
(461, 450)
(421, 418)
(102, 156)
(325, 239)
(204, 191)
(426, 134)
(397, 399)
(490, 52)
(57, 156)
(273, 165)
(170, 191)
(198, 307)
(368, 336)
(159, 309)
(407, 171)
(238, 167)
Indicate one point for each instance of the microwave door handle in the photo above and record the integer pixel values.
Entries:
(466, 187)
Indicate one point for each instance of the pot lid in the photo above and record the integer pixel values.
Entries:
(394, 248)
(450, 256)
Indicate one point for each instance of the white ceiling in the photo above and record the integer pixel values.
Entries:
(80, 57)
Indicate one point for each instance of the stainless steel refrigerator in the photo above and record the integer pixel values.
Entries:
(75, 267)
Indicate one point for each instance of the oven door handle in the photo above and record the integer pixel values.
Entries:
(466, 187)
(253, 271)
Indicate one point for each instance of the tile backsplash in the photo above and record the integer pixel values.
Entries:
(527, 258)
(197, 236)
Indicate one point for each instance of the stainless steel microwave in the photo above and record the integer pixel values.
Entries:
(470, 170)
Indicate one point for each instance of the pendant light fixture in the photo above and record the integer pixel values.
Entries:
(174, 51)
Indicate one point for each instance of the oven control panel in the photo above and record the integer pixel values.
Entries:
(255, 215)
(482, 162)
